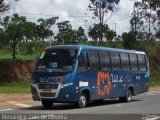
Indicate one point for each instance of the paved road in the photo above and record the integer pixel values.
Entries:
(148, 103)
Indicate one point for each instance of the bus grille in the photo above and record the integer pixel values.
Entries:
(48, 86)
(47, 94)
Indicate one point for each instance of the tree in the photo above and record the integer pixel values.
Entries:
(95, 32)
(65, 29)
(101, 11)
(129, 40)
(3, 37)
(15, 29)
(68, 35)
(145, 17)
(43, 30)
(145, 21)
(4, 5)
(81, 37)
(30, 35)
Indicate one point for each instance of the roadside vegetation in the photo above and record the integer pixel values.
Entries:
(155, 79)
(16, 87)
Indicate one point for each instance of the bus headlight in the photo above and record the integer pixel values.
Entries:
(34, 85)
(66, 85)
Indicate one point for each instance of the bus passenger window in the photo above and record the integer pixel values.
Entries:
(115, 60)
(133, 62)
(93, 60)
(125, 62)
(82, 62)
(104, 60)
(142, 63)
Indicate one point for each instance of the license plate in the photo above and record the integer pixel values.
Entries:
(46, 91)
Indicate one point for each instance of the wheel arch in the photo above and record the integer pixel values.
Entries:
(131, 87)
(87, 92)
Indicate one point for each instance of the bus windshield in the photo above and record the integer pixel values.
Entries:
(56, 61)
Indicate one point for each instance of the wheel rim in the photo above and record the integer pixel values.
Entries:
(83, 101)
(129, 95)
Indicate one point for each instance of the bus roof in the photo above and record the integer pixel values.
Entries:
(88, 47)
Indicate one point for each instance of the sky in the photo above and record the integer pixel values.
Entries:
(72, 10)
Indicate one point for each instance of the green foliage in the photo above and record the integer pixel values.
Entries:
(16, 87)
(16, 29)
(98, 30)
(154, 79)
(111, 44)
(129, 40)
(68, 35)
(7, 55)
(145, 19)
(101, 10)
(43, 30)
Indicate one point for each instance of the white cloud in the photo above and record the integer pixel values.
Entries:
(122, 17)
(70, 10)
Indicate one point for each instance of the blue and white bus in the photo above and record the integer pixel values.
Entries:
(80, 73)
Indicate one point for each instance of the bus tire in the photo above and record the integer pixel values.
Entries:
(47, 104)
(82, 102)
(128, 97)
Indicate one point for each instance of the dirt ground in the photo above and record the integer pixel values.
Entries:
(15, 97)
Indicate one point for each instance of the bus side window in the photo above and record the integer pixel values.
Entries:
(125, 62)
(104, 60)
(142, 63)
(133, 62)
(115, 60)
(82, 62)
(93, 60)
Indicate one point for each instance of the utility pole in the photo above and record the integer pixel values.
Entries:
(149, 36)
(115, 29)
(135, 23)
(115, 25)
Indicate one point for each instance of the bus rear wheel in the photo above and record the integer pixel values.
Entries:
(82, 102)
(128, 97)
(47, 104)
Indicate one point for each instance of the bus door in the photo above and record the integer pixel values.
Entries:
(87, 71)
(116, 75)
(142, 78)
(92, 72)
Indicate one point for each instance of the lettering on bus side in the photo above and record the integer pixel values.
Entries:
(121, 78)
(116, 78)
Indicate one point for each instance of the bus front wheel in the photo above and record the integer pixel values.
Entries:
(47, 104)
(82, 102)
(128, 97)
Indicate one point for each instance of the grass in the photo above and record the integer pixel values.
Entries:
(20, 56)
(155, 79)
(16, 87)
